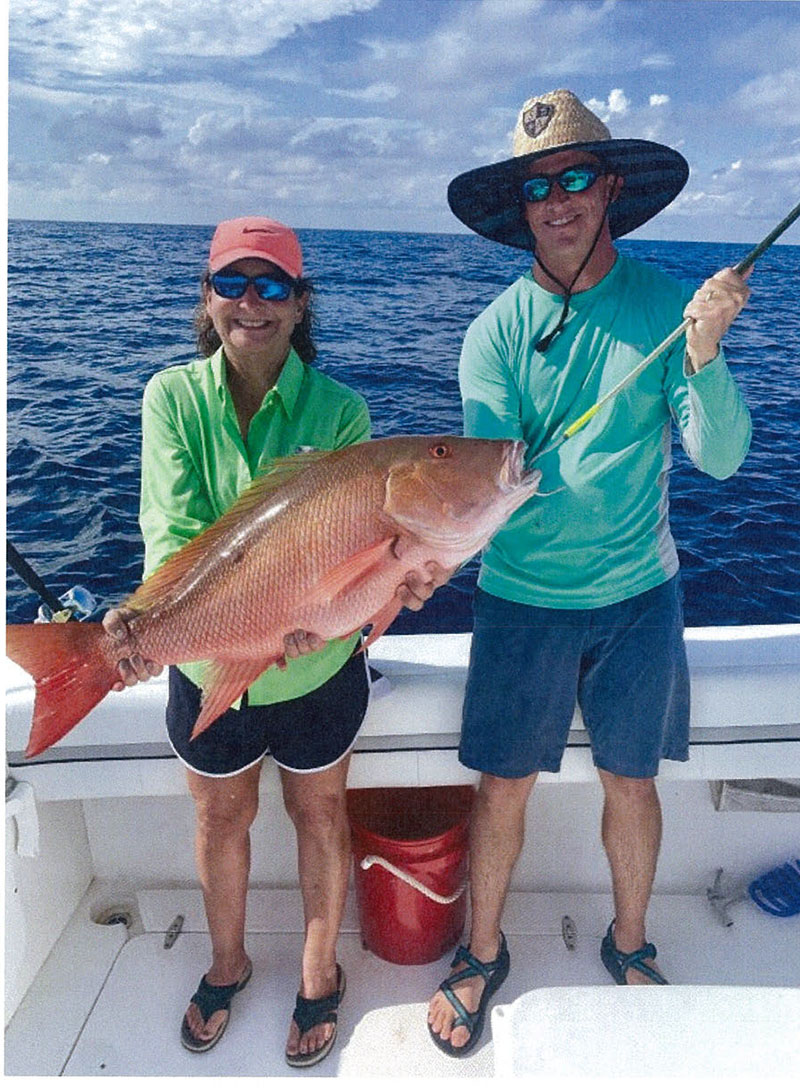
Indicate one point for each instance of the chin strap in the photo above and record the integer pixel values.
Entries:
(547, 340)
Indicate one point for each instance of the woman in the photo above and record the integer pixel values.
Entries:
(208, 428)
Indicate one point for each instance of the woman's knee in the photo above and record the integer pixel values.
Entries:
(225, 805)
(321, 811)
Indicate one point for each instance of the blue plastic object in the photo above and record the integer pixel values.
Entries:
(778, 891)
(78, 603)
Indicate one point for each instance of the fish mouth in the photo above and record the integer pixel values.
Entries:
(513, 474)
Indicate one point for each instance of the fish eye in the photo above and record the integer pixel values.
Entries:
(441, 449)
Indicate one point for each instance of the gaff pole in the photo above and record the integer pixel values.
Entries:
(741, 267)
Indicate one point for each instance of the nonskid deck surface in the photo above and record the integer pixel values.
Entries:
(132, 1027)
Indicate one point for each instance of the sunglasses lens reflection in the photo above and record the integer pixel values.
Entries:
(576, 179)
(232, 286)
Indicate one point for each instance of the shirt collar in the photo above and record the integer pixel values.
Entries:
(287, 387)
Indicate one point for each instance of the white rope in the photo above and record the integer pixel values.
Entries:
(373, 859)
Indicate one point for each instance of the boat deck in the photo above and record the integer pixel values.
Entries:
(126, 992)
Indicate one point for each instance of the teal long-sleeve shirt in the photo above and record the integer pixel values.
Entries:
(599, 530)
(195, 464)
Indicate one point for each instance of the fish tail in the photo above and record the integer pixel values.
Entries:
(71, 671)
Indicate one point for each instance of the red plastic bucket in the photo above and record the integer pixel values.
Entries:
(410, 851)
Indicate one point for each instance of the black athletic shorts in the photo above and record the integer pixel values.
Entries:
(306, 734)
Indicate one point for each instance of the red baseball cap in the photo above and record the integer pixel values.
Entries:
(255, 236)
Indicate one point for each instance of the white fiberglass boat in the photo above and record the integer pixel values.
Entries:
(106, 939)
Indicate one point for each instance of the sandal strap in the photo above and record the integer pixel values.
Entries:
(635, 960)
(464, 1018)
(485, 968)
(474, 968)
(310, 1011)
(210, 999)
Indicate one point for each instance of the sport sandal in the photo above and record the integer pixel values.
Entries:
(210, 999)
(494, 974)
(618, 963)
(308, 1012)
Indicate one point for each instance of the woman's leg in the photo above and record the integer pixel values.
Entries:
(317, 806)
(224, 812)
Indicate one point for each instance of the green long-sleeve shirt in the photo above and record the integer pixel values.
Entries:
(604, 534)
(195, 463)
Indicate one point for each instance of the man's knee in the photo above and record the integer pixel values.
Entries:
(504, 794)
(624, 787)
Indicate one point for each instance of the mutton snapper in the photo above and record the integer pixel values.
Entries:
(320, 543)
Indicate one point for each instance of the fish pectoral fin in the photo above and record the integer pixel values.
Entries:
(223, 683)
(381, 620)
(350, 572)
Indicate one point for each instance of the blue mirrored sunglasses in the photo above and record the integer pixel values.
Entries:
(575, 179)
(234, 285)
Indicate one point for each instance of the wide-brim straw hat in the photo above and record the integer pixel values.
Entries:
(489, 199)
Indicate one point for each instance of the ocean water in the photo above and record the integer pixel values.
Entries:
(95, 309)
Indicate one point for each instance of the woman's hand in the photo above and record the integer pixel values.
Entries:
(713, 309)
(133, 667)
(299, 643)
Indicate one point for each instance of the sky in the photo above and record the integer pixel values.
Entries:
(355, 114)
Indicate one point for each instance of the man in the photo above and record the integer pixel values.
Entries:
(578, 596)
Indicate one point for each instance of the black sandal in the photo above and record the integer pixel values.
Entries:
(494, 974)
(210, 999)
(310, 1011)
(619, 963)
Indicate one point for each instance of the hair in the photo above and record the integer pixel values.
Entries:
(302, 338)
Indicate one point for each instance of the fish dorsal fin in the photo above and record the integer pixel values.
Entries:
(170, 573)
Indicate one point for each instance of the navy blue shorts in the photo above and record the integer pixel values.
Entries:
(624, 664)
(306, 734)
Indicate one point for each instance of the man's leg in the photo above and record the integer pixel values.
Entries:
(224, 811)
(316, 803)
(631, 833)
(497, 832)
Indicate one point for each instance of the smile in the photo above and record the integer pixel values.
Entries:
(562, 221)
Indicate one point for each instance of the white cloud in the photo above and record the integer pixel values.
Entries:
(659, 99)
(774, 97)
(658, 60)
(101, 37)
(376, 92)
(617, 105)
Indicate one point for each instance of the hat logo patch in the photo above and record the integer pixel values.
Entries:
(537, 118)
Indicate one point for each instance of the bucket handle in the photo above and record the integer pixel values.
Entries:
(445, 900)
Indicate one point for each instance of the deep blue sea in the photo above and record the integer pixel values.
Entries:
(95, 309)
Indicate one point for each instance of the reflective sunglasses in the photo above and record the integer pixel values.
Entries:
(575, 179)
(234, 285)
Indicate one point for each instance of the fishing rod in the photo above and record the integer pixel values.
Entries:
(741, 267)
(31, 578)
(77, 603)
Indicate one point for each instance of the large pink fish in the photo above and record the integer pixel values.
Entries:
(320, 543)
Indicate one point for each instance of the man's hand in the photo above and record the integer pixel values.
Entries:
(134, 667)
(413, 593)
(713, 310)
(418, 588)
